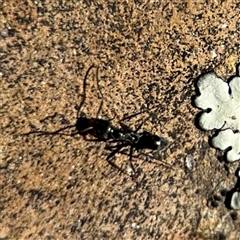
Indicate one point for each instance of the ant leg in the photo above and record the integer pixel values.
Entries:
(92, 140)
(154, 158)
(140, 125)
(135, 114)
(115, 165)
(113, 117)
(130, 159)
(40, 133)
(84, 91)
(126, 128)
(118, 148)
(132, 115)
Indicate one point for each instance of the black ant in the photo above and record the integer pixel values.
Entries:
(103, 130)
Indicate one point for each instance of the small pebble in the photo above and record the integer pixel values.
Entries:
(189, 162)
(4, 32)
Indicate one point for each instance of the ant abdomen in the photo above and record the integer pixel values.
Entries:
(82, 125)
(93, 126)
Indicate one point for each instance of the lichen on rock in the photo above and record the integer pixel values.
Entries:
(221, 104)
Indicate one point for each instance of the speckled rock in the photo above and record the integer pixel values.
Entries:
(149, 54)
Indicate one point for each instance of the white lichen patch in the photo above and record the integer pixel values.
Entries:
(226, 139)
(224, 108)
(235, 201)
(221, 102)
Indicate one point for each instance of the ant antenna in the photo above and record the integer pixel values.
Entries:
(39, 133)
(99, 89)
(84, 91)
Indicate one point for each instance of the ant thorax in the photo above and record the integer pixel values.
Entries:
(132, 138)
(116, 133)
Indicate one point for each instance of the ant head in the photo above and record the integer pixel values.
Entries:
(160, 142)
(157, 143)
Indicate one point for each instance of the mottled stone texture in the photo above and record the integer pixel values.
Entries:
(149, 54)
